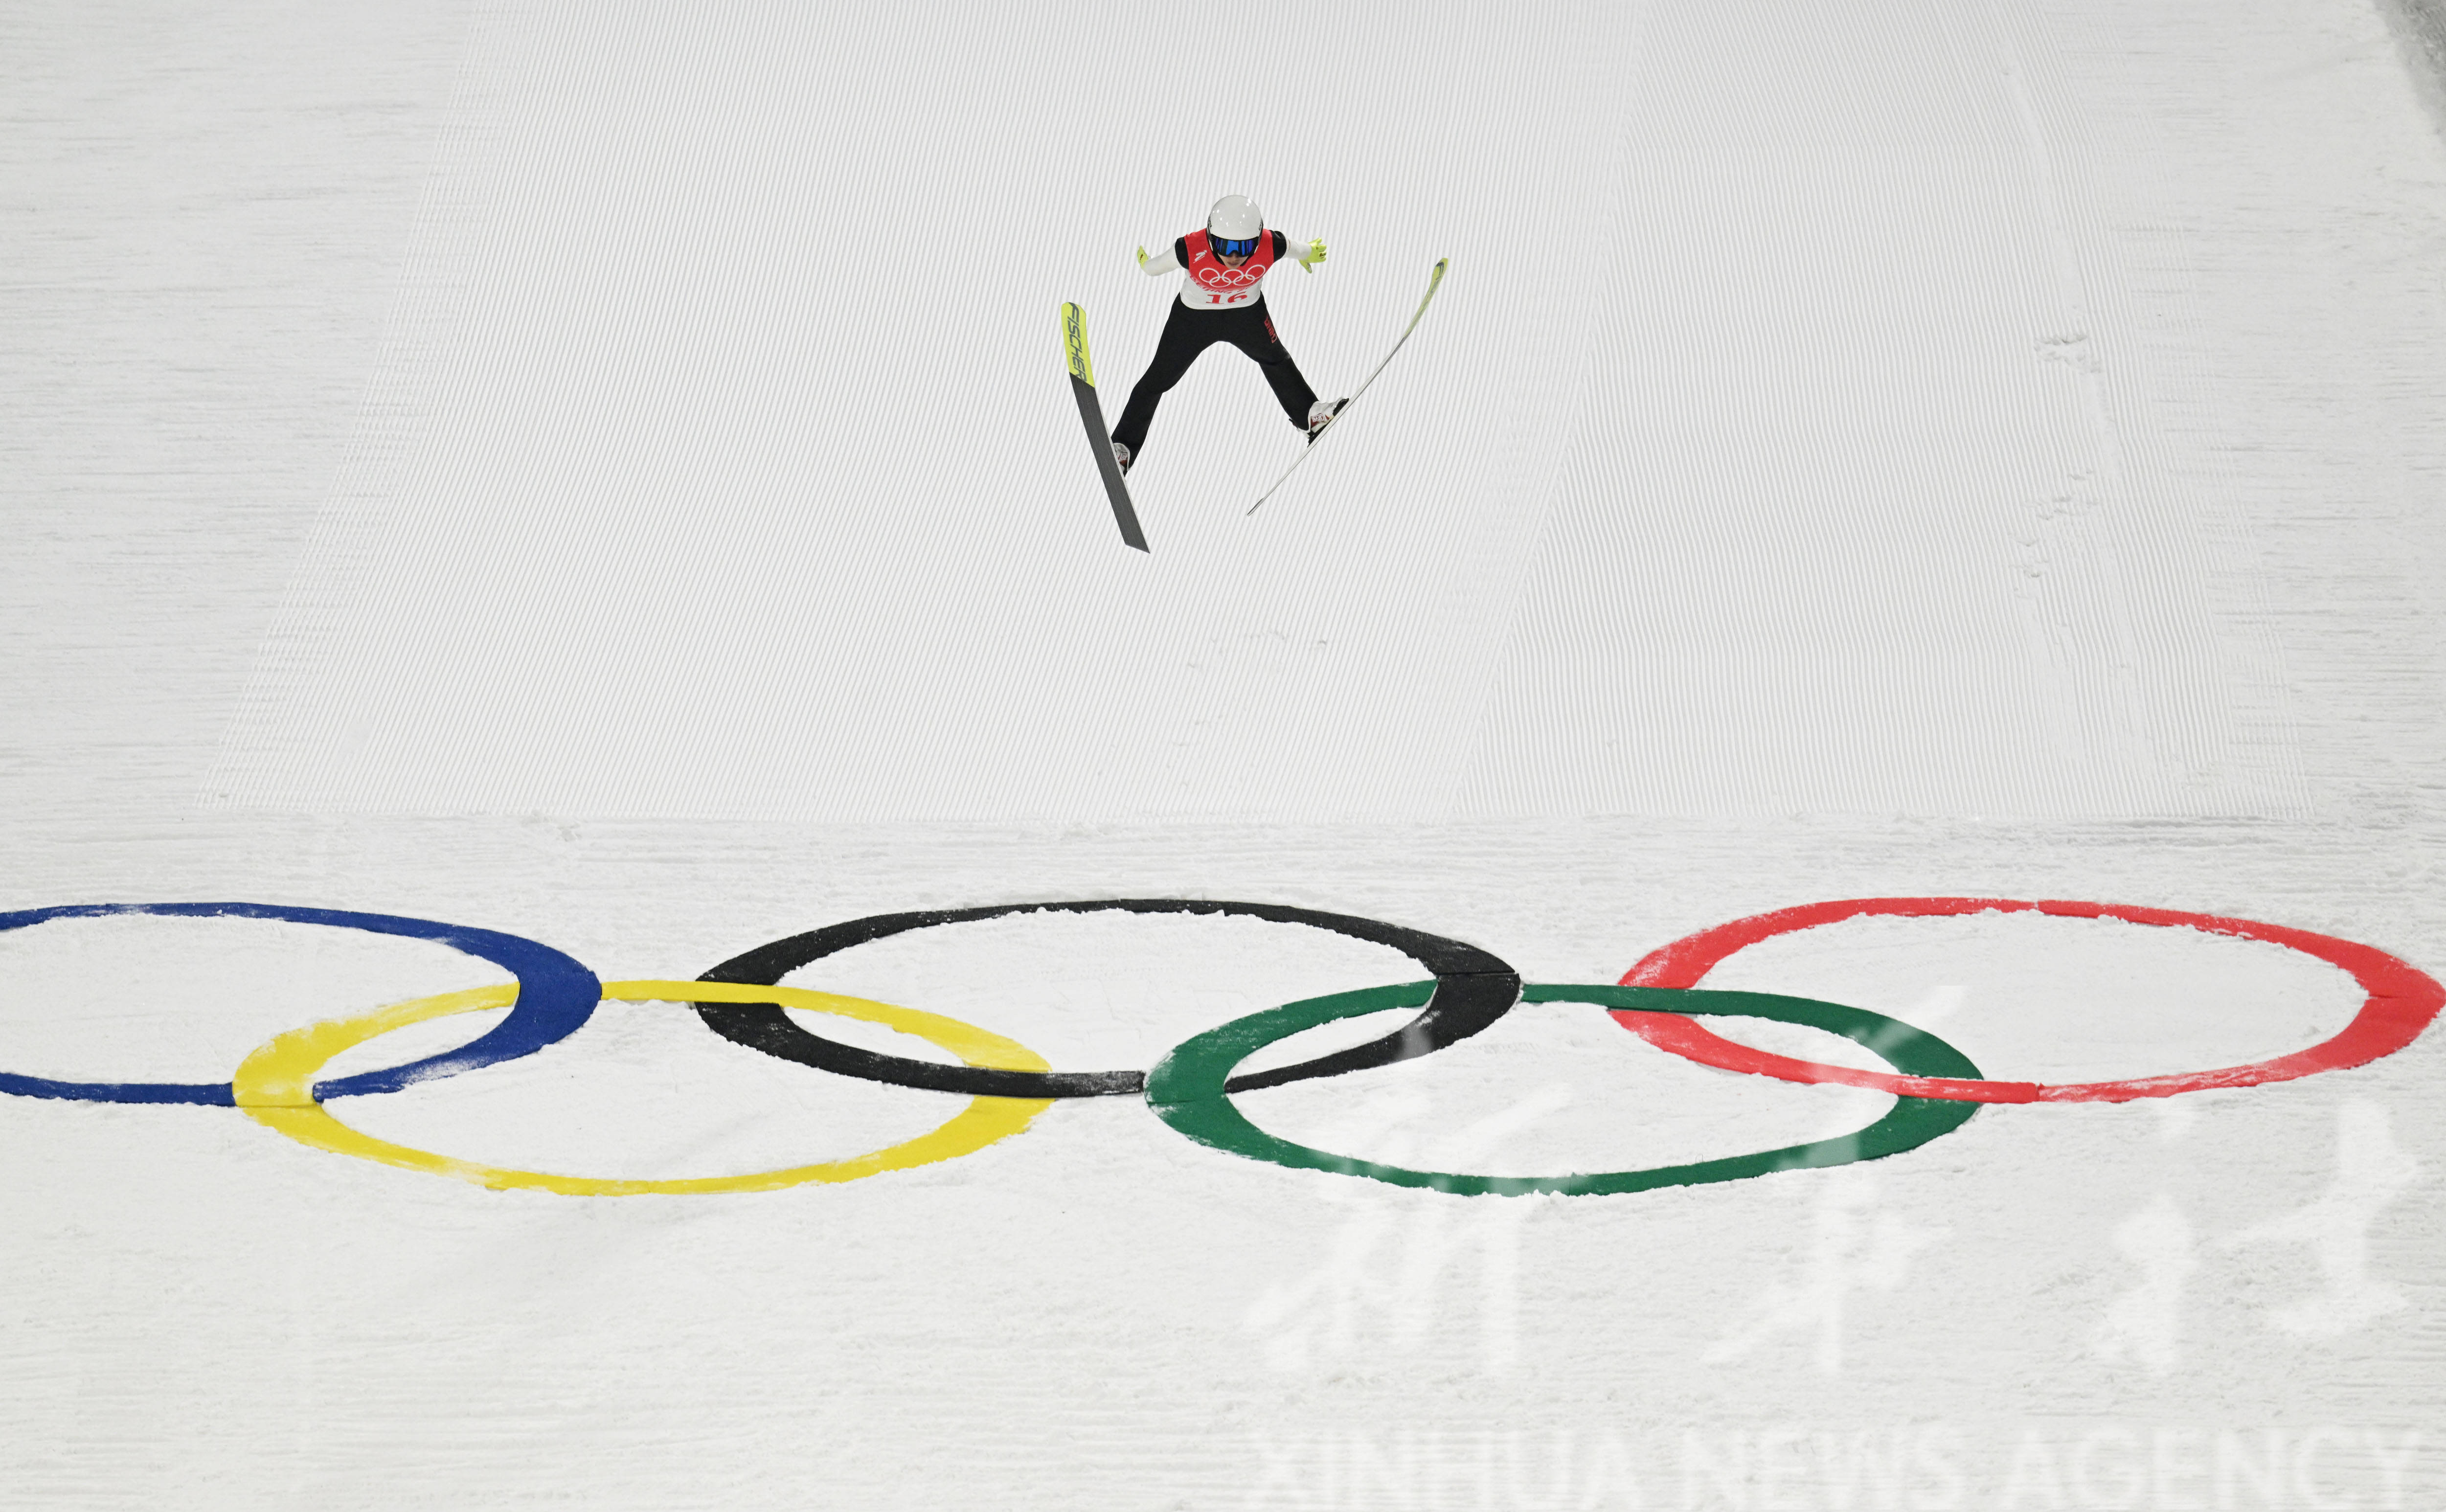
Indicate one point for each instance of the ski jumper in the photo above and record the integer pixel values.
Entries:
(1216, 303)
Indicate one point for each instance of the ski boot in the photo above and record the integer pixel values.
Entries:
(1320, 414)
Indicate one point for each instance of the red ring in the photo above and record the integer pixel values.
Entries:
(2403, 1001)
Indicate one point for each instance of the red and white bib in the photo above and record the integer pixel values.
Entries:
(1213, 285)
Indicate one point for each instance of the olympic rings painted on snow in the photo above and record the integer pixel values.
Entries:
(1189, 1091)
(2401, 1001)
(1937, 1088)
(1472, 990)
(271, 1088)
(555, 995)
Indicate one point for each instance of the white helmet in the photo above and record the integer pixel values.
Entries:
(1233, 218)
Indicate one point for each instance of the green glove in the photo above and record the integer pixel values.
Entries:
(1142, 256)
(1315, 255)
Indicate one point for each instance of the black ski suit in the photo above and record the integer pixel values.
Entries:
(1188, 332)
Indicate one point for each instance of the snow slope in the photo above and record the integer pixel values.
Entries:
(1900, 408)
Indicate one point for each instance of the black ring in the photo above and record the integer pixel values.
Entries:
(1473, 990)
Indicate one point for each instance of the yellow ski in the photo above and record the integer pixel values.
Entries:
(1083, 386)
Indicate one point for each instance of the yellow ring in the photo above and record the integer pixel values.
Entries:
(274, 1085)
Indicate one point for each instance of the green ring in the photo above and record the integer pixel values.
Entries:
(1186, 1088)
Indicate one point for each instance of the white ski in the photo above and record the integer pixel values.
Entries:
(1435, 280)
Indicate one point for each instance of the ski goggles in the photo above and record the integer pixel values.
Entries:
(1229, 247)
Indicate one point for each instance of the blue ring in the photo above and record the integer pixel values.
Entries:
(555, 995)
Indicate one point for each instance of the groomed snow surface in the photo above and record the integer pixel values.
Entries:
(605, 475)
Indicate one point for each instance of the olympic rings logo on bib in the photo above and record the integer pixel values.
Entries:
(1936, 1088)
